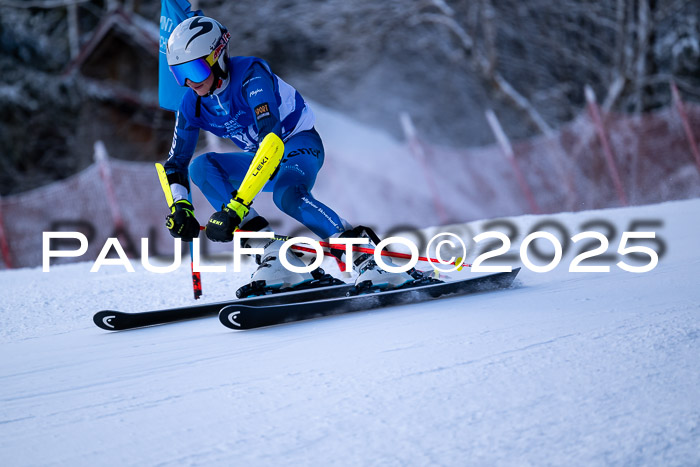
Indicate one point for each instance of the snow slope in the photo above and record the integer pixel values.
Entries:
(563, 369)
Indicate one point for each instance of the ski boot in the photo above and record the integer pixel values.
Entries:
(371, 277)
(272, 277)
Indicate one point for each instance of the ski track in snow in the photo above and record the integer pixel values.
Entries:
(562, 369)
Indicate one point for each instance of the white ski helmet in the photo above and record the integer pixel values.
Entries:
(197, 47)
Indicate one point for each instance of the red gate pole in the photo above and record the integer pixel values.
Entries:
(680, 107)
(594, 111)
(419, 153)
(106, 175)
(507, 149)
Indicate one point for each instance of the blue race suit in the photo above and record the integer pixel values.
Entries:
(252, 104)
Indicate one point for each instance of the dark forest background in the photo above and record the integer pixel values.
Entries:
(443, 62)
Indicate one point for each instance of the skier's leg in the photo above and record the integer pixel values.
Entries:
(292, 194)
(303, 159)
(218, 174)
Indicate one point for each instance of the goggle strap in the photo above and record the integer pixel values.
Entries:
(214, 55)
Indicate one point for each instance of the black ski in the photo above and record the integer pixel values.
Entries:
(111, 320)
(242, 315)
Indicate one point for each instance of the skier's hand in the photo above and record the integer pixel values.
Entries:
(222, 224)
(181, 221)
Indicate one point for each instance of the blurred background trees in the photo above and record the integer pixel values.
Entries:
(442, 61)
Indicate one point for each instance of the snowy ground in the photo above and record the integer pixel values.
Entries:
(564, 369)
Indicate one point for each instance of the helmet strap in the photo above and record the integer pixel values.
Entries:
(216, 84)
(220, 78)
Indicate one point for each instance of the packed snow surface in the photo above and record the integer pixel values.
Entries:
(588, 368)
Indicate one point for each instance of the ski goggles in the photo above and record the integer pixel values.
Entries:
(200, 69)
(196, 71)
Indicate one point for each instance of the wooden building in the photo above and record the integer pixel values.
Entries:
(118, 69)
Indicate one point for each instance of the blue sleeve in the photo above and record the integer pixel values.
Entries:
(182, 149)
(259, 92)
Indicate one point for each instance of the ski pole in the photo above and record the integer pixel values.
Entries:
(165, 185)
(264, 163)
(196, 276)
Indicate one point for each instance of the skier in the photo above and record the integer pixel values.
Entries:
(241, 99)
